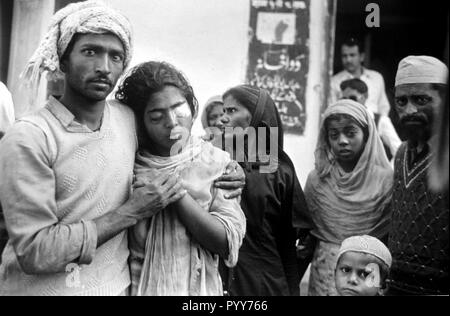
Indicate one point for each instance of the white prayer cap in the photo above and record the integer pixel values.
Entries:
(421, 69)
(366, 244)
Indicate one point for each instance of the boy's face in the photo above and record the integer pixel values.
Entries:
(358, 274)
(354, 95)
(167, 119)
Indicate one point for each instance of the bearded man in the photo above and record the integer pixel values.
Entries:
(419, 235)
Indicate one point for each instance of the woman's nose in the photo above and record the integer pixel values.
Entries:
(224, 119)
(172, 119)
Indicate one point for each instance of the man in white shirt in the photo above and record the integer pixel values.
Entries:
(6, 109)
(352, 60)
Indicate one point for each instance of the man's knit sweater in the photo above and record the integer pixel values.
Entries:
(56, 177)
(419, 235)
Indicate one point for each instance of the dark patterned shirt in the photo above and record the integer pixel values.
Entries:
(419, 235)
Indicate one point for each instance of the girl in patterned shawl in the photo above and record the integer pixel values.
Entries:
(349, 191)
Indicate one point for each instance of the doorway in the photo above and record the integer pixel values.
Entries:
(407, 27)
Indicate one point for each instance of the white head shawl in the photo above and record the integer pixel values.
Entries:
(344, 204)
(82, 17)
(421, 69)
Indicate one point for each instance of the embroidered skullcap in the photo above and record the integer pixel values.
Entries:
(421, 69)
(81, 17)
(366, 244)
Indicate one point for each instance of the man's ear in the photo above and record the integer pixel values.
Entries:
(63, 65)
(366, 96)
(249, 119)
(363, 57)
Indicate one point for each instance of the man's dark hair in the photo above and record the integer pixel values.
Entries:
(70, 46)
(355, 84)
(351, 41)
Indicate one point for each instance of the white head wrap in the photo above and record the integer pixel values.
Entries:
(421, 69)
(212, 100)
(82, 17)
(366, 244)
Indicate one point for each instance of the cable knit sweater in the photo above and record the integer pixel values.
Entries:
(56, 177)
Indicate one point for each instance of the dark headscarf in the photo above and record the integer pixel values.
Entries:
(266, 115)
(263, 110)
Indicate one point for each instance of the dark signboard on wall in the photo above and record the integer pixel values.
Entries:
(279, 55)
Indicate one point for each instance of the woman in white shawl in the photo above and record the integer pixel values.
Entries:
(349, 191)
(177, 251)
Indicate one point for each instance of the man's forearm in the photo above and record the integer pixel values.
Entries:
(111, 224)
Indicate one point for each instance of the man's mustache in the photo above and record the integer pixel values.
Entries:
(414, 118)
(102, 79)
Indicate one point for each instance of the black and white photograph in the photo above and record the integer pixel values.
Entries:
(224, 153)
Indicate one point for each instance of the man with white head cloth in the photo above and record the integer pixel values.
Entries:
(419, 234)
(67, 170)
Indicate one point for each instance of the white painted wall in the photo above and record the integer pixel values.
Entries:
(30, 22)
(301, 148)
(208, 41)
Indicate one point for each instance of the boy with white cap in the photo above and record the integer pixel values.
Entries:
(362, 267)
(419, 234)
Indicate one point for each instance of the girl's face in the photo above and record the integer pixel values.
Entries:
(167, 119)
(358, 274)
(346, 139)
(215, 116)
(235, 114)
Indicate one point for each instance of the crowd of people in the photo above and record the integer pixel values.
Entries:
(119, 195)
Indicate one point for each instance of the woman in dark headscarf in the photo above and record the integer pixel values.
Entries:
(272, 200)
